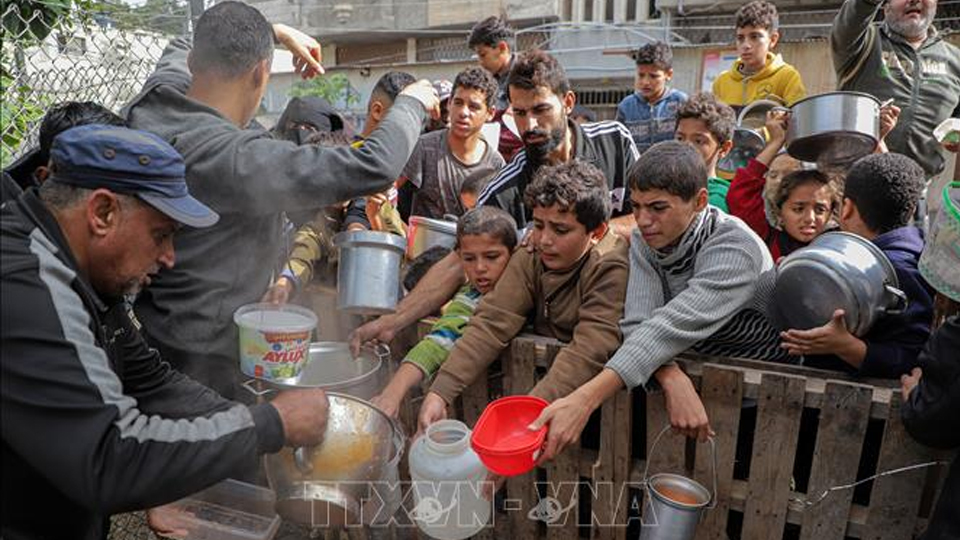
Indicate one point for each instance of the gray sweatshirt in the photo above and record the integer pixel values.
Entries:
(678, 301)
(249, 178)
(924, 82)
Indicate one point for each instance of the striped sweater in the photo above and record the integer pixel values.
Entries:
(703, 295)
(433, 349)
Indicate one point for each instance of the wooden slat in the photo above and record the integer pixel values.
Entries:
(722, 393)
(563, 477)
(670, 454)
(780, 403)
(842, 426)
(518, 365)
(611, 470)
(895, 499)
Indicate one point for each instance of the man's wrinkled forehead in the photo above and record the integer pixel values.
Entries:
(532, 97)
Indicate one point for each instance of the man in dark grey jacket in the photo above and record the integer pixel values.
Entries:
(903, 58)
(94, 422)
(245, 175)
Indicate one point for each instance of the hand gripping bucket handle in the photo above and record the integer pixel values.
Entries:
(713, 454)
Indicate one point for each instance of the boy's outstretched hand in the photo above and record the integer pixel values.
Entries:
(684, 407)
(433, 409)
(566, 418)
(831, 338)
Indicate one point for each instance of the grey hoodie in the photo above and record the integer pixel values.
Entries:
(249, 178)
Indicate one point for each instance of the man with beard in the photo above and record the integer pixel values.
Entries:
(903, 58)
(542, 103)
(94, 421)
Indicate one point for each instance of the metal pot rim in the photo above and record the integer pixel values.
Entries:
(439, 225)
(677, 478)
(837, 93)
(353, 239)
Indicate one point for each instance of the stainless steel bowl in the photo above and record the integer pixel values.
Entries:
(325, 485)
(838, 270)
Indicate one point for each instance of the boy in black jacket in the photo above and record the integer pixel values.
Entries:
(879, 200)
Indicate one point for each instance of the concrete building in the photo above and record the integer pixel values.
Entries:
(591, 38)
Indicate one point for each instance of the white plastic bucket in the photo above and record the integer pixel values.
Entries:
(274, 340)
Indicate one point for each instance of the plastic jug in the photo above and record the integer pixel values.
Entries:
(447, 481)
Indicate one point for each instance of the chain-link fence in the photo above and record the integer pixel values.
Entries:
(59, 50)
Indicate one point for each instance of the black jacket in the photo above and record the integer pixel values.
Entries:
(606, 145)
(94, 422)
(932, 416)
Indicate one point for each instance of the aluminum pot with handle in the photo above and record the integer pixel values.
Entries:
(835, 127)
(327, 485)
(838, 270)
(368, 276)
(425, 233)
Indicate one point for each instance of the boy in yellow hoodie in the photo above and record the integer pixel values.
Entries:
(758, 73)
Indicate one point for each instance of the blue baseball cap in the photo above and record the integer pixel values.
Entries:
(129, 162)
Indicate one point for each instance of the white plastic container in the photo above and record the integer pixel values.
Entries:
(274, 340)
(447, 481)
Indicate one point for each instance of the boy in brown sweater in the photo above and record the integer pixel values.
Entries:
(571, 289)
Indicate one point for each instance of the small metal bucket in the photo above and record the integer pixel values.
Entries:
(674, 504)
(368, 279)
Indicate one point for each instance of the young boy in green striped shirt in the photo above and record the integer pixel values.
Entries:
(486, 237)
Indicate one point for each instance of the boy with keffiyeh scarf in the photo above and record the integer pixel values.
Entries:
(694, 275)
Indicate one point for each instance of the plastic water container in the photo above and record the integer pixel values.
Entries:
(274, 340)
(447, 481)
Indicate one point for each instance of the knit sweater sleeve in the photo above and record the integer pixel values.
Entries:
(723, 282)
(745, 198)
(500, 316)
(433, 349)
(596, 335)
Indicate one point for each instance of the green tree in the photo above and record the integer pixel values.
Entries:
(334, 88)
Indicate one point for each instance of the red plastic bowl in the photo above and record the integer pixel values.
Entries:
(501, 438)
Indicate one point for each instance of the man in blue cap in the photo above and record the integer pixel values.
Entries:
(94, 422)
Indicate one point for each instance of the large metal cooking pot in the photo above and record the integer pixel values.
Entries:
(836, 127)
(838, 270)
(368, 277)
(425, 233)
(328, 485)
(332, 367)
